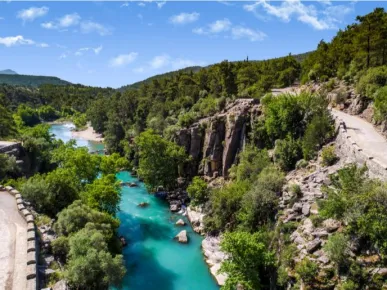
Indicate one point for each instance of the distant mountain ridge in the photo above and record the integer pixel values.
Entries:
(10, 77)
(8, 72)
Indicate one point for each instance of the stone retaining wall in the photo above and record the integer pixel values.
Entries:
(32, 242)
(347, 148)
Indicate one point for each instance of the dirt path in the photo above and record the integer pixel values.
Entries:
(13, 245)
(364, 135)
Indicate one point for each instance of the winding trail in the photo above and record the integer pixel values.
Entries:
(13, 245)
(364, 135)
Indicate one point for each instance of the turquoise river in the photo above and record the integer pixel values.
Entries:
(154, 261)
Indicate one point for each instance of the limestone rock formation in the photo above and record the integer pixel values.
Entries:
(214, 142)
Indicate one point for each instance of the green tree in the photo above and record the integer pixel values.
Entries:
(250, 261)
(90, 265)
(287, 152)
(159, 160)
(198, 191)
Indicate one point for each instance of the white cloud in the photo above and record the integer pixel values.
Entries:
(69, 20)
(63, 56)
(96, 50)
(126, 4)
(159, 61)
(90, 26)
(65, 21)
(161, 4)
(244, 32)
(19, 40)
(319, 19)
(141, 4)
(184, 18)
(166, 61)
(215, 27)
(123, 59)
(32, 13)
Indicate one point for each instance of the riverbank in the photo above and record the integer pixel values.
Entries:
(88, 134)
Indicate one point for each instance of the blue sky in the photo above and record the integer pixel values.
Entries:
(118, 43)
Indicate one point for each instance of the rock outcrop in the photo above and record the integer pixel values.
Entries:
(214, 257)
(182, 237)
(214, 142)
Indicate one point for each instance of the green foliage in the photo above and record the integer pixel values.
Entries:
(80, 121)
(60, 248)
(380, 104)
(251, 163)
(7, 123)
(225, 204)
(198, 191)
(258, 205)
(28, 116)
(113, 163)
(307, 270)
(47, 113)
(103, 194)
(318, 131)
(329, 156)
(77, 215)
(249, 262)
(159, 159)
(30, 81)
(337, 249)
(90, 265)
(372, 80)
(8, 167)
(287, 152)
(295, 189)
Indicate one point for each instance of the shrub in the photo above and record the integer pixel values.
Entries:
(307, 270)
(295, 189)
(372, 80)
(301, 164)
(287, 152)
(198, 191)
(380, 104)
(337, 249)
(328, 156)
(348, 285)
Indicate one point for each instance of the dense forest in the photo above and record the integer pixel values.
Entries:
(140, 122)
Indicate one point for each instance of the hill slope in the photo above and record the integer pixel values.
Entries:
(30, 81)
(8, 72)
(299, 57)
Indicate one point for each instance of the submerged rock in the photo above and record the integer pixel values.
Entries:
(180, 222)
(143, 204)
(182, 237)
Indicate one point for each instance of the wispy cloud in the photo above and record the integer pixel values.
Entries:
(20, 40)
(90, 26)
(161, 4)
(32, 13)
(164, 61)
(82, 50)
(123, 59)
(65, 21)
(184, 18)
(244, 32)
(126, 4)
(319, 19)
(214, 27)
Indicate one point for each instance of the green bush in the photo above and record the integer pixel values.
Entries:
(287, 152)
(337, 249)
(307, 270)
(295, 189)
(198, 191)
(380, 104)
(329, 156)
(372, 80)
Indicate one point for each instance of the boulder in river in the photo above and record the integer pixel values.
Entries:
(174, 207)
(180, 222)
(182, 237)
(133, 184)
(143, 204)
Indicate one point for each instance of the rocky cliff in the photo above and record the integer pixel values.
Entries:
(213, 142)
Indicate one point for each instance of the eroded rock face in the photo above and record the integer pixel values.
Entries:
(214, 257)
(214, 142)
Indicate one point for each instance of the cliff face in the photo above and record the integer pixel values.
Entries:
(214, 142)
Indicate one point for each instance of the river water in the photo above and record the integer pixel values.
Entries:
(154, 261)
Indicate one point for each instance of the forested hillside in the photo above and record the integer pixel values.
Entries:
(272, 240)
(29, 81)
